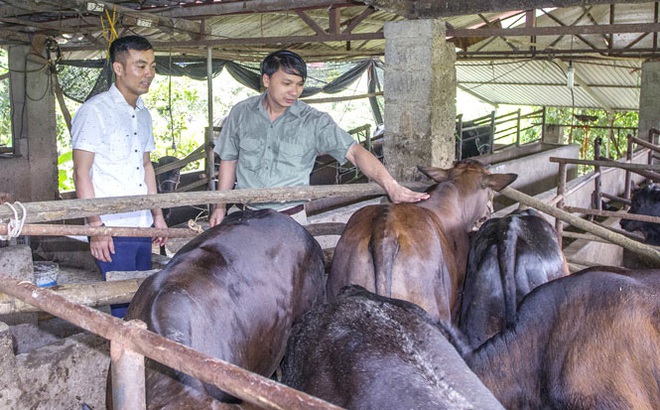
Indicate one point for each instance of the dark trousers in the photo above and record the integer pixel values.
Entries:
(130, 254)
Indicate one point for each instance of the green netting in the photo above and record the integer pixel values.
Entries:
(81, 79)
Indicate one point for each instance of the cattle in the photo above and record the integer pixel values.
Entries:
(417, 252)
(233, 293)
(365, 351)
(645, 201)
(508, 257)
(167, 181)
(590, 340)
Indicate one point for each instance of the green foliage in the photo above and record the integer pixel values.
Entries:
(5, 109)
(178, 109)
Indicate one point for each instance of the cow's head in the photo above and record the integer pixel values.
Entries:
(473, 183)
(645, 201)
(167, 181)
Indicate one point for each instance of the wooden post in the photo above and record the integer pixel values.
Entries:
(128, 380)
(561, 192)
(629, 156)
(596, 197)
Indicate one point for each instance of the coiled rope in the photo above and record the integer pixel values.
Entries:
(15, 224)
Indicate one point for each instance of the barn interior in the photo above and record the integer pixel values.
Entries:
(565, 53)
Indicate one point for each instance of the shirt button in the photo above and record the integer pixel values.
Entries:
(135, 133)
(133, 115)
(139, 184)
(135, 150)
(137, 168)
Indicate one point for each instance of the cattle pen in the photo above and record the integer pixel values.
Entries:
(130, 342)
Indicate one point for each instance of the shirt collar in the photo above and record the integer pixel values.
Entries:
(295, 109)
(118, 97)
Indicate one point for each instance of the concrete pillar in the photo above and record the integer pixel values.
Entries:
(32, 176)
(649, 104)
(420, 97)
(553, 134)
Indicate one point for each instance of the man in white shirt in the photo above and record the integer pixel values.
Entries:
(112, 139)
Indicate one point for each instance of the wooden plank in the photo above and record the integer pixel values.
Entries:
(81, 208)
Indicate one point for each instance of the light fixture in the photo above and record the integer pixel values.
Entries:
(570, 75)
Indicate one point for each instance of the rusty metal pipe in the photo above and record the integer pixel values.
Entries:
(232, 379)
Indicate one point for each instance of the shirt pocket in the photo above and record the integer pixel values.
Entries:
(250, 153)
(296, 157)
(119, 146)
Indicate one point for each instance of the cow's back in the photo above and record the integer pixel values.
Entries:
(585, 341)
(508, 258)
(233, 293)
(395, 251)
(364, 351)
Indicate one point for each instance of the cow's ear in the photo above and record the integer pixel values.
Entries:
(436, 174)
(497, 182)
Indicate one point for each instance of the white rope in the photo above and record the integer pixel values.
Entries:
(15, 225)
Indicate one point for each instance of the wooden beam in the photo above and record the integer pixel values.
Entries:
(556, 31)
(311, 23)
(424, 9)
(280, 41)
(81, 8)
(252, 6)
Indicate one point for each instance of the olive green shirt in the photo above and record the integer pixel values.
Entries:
(281, 153)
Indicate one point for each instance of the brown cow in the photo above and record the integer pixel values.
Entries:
(233, 292)
(417, 252)
(364, 351)
(508, 257)
(590, 340)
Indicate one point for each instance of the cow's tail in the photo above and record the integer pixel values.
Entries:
(507, 262)
(384, 248)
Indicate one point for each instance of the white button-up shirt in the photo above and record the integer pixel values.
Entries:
(118, 135)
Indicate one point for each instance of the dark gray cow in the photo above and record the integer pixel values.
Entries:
(234, 293)
(365, 351)
(508, 257)
(590, 340)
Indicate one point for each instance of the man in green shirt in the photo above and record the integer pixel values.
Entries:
(272, 140)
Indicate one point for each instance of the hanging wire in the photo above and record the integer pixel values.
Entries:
(110, 34)
(169, 97)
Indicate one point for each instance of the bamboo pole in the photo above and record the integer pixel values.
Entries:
(578, 222)
(230, 378)
(320, 229)
(80, 208)
(613, 214)
(90, 294)
(613, 164)
(86, 230)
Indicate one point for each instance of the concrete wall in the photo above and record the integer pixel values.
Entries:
(536, 174)
(61, 375)
(420, 97)
(32, 174)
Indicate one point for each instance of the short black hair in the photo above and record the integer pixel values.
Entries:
(288, 61)
(123, 44)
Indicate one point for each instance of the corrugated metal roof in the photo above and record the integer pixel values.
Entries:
(520, 70)
(601, 81)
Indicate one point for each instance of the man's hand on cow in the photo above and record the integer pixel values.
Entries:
(102, 247)
(398, 193)
(159, 222)
(217, 215)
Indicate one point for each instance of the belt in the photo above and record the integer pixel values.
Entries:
(288, 211)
